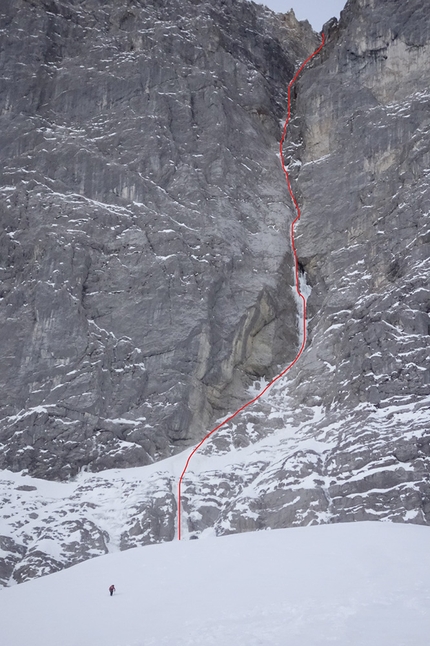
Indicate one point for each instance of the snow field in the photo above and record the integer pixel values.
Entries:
(361, 584)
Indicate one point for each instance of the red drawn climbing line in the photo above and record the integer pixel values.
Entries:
(297, 285)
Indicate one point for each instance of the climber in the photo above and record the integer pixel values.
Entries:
(111, 589)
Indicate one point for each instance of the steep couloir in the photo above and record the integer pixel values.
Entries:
(353, 415)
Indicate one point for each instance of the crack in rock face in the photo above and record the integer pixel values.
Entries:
(350, 422)
(146, 263)
(147, 284)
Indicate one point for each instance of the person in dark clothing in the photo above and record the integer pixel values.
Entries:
(111, 589)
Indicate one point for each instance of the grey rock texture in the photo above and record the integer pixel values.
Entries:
(145, 258)
(355, 411)
(345, 435)
(49, 526)
(363, 179)
(336, 466)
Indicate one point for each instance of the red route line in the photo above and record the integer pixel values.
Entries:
(296, 267)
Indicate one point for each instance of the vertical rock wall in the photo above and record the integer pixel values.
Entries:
(167, 300)
(350, 422)
(364, 238)
(145, 258)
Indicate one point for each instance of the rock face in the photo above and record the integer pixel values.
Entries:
(146, 266)
(345, 435)
(48, 526)
(365, 149)
(355, 411)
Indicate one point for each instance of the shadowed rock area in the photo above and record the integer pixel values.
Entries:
(145, 256)
(130, 321)
(354, 413)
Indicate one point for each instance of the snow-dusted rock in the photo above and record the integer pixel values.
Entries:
(172, 330)
(48, 526)
(145, 276)
(355, 411)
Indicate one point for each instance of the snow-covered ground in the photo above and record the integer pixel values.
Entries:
(359, 584)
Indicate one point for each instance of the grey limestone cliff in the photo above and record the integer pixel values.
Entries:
(355, 411)
(145, 258)
(147, 280)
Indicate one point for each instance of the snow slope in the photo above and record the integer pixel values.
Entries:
(348, 584)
